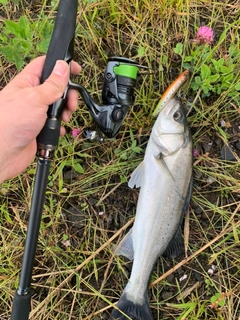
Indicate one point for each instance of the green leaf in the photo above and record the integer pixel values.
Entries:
(83, 155)
(237, 86)
(46, 29)
(3, 39)
(13, 55)
(77, 167)
(188, 59)
(141, 52)
(178, 49)
(216, 297)
(25, 28)
(217, 63)
(137, 149)
(213, 78)
(228, 77)
(205, 71)
(13, 27)
(224, 69)
(123, 155)
(195, 86)
(21, 29)
(205, 90)
(42, 47)
(65, 237)
(219, 89)
(3, 1)
(134, 143)
(186, 66)
(198, 80)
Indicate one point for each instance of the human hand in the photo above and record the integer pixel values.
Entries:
(23, 112)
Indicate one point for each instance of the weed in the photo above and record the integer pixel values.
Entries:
(24, 39)
(88, 204)
(213, 75)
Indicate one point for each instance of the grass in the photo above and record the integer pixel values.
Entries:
(76, 275)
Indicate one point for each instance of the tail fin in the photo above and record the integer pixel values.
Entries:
(133, 310)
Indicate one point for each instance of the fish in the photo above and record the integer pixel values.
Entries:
(165, 180)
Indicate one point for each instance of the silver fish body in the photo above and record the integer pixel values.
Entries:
(164, 178)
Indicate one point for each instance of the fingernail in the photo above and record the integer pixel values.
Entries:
(60, 67)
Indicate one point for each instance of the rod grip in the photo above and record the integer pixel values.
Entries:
(62, 41)
(21, 306)
(61, 47)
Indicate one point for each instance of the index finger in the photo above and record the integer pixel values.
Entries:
(75, 67)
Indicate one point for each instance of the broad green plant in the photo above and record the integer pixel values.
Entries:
(24, 39)
(212, 74)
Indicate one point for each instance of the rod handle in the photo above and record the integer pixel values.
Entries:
(60, 48)
(21, 306)
(62, 41)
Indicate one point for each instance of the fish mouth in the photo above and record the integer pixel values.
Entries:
(162, 136)
(176, 103)
(171, 104)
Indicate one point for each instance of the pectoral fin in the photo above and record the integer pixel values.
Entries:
(136, 176)
(125, 247)
(163, 166)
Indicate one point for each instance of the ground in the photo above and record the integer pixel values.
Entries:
(89, 206)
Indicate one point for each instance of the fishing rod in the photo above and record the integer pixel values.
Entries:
(117, 97)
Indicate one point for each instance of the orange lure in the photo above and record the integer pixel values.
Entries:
(171, 91)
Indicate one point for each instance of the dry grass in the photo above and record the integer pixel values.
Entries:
(81, 279)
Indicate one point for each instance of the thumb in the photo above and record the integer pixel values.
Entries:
(53, 88)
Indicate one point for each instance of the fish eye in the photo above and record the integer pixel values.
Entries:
(178, 116)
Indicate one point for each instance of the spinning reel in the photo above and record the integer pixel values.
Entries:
(117, 95)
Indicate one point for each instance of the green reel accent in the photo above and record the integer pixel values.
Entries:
(126, 70)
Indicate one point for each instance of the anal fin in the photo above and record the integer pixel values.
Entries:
(175, 246)
(125, 247)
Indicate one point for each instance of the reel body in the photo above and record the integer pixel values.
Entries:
(117, 95)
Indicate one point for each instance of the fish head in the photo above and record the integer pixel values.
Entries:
(170, 131)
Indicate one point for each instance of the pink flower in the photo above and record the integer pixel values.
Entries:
(195, 153)
(204, 35)
(75, 132)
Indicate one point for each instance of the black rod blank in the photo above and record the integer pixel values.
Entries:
(22, 297)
